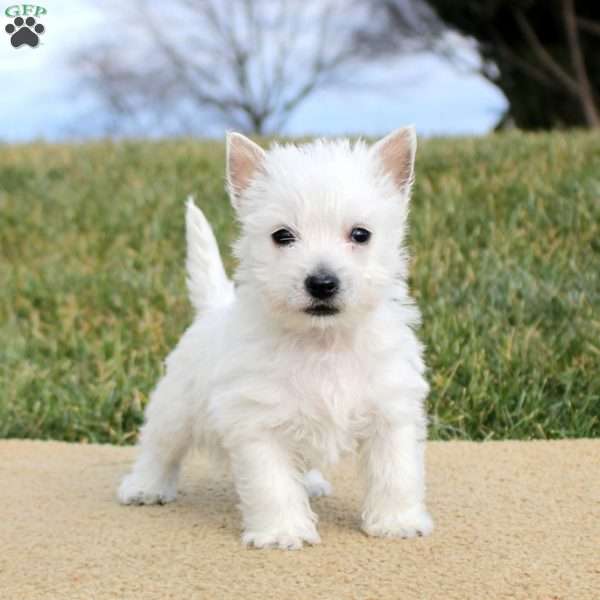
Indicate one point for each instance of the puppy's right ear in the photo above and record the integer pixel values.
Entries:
(396, 153)
(244, 159)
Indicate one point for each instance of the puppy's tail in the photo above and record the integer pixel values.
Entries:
(208, 284)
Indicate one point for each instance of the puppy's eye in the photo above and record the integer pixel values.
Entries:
(283, 237)
(360, 235)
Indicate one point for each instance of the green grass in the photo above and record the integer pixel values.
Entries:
(505, 235)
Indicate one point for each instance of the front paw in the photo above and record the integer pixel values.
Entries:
(135, 490)
(283, 539)
(406, 524)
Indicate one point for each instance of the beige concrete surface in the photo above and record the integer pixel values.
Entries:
(513, 520)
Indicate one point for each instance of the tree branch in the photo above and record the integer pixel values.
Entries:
(532, 71)
(543, 56)
(588, 25)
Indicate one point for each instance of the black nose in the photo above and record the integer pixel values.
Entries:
(322, 285)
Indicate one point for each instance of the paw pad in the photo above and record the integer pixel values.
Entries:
(24, 32)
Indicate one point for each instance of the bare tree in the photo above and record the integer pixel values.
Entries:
(246, 64)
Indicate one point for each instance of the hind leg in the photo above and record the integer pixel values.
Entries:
(316, 485)
(165, 440)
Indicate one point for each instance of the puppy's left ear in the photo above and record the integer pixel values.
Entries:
(244, 159)
(396, 153)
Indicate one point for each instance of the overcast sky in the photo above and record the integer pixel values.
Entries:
(40, 99)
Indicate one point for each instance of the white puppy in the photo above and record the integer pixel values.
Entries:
(312, 354)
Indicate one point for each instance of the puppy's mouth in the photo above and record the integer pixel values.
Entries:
(321, 310)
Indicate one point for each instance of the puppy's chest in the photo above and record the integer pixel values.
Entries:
(328, 400)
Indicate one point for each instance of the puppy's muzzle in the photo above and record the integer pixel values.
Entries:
(322, 285)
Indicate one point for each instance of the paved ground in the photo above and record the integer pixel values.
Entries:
(514, 520)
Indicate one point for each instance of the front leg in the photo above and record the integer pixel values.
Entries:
(274, 503)
(393, 460)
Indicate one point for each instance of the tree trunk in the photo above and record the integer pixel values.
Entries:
(586, 94)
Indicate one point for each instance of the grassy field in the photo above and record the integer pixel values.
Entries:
(506, 244)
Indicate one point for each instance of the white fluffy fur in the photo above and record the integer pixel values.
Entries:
(277, 393)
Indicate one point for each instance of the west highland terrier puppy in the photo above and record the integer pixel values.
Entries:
(311, 354)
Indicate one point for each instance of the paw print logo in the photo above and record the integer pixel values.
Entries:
(24, 32)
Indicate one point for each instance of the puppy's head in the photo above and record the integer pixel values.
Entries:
(322, 224)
